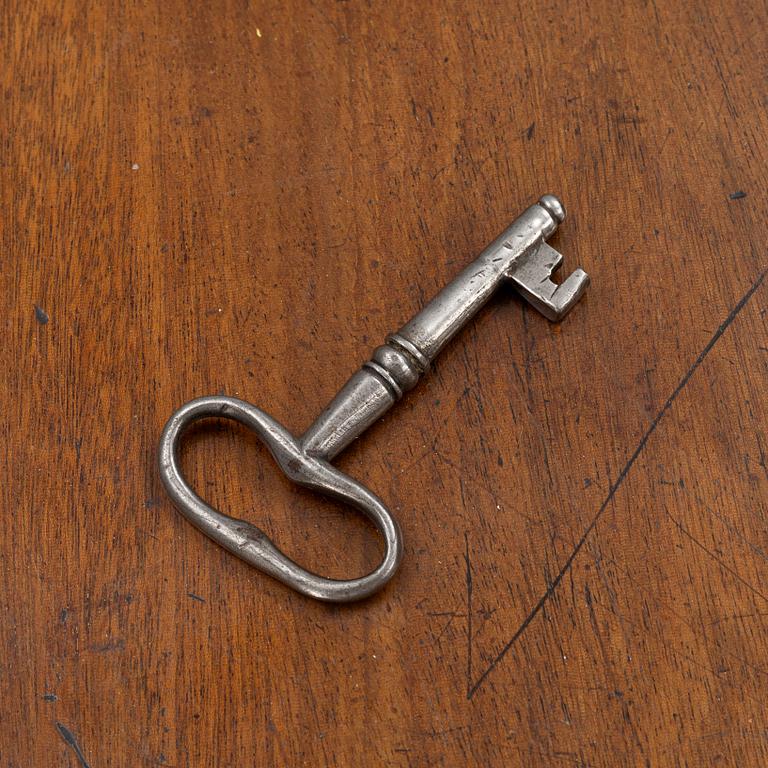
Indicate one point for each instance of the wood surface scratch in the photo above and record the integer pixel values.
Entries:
(625, 470)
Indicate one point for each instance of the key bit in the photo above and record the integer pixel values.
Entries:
(531, 276)
(531, 273)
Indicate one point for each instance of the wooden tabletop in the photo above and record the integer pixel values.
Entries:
(245, 198)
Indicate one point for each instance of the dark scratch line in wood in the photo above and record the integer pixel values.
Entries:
(732, 315)
(445, 627)
(71, 741)
(718, 560)
(469, 614)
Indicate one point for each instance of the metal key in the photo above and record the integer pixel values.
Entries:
(519, 256)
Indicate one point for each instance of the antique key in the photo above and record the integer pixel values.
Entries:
(520, 256)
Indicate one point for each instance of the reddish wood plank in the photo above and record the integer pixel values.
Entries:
(245, 197)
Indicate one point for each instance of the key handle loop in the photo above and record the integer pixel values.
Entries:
(250, 543)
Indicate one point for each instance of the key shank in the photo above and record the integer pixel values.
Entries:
(519, 255)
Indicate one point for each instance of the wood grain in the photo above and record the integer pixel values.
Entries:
(244, 198)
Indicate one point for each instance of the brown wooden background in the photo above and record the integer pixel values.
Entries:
(245, 197)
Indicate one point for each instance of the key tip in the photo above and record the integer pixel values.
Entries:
(553, 206)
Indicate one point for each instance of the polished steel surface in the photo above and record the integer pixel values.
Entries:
(519, 256)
